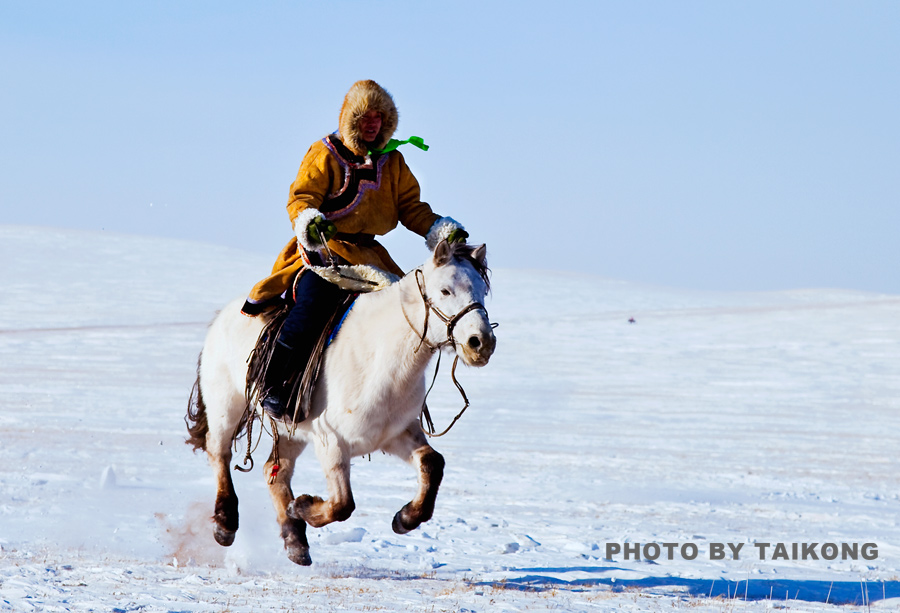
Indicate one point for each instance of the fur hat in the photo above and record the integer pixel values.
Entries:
(366, 96)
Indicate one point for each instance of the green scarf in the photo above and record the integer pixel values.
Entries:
(394, 143)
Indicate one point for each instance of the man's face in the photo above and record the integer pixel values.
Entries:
(370, 125)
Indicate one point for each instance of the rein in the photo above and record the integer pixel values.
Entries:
(425, 416)
(450, 321)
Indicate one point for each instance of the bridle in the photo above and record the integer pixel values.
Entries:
(450, 321)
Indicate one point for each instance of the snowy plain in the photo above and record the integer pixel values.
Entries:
(714, 418)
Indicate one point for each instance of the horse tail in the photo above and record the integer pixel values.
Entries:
(195, 420)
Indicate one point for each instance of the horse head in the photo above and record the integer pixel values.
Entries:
(453, 284)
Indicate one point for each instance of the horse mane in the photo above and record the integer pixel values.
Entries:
(464, 251)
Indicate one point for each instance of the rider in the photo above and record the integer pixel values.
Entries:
(352, 185)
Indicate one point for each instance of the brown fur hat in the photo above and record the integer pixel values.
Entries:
(367, 96)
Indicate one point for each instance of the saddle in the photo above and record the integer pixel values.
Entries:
(302, 381)
(353, 279)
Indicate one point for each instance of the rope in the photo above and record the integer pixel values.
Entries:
(248, 457)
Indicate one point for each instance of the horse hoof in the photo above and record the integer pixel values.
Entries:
(299, 555)
(223, 537)
(397, 525)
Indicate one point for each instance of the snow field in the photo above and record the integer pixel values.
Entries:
(715, 418)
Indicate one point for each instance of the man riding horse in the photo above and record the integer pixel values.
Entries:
(352, 185)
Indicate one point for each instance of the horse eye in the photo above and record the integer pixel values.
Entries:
(445, 291)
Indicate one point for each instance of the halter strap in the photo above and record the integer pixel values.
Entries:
(449, 321)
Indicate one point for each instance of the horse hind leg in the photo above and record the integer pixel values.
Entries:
(209, 439)
(293, 530)
(413, 447)
(224, 413)
(225, 516)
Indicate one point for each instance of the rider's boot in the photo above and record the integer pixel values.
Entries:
(276, 391)
(316, 300)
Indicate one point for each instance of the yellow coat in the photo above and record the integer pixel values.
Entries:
(361, 196)
(364, 195)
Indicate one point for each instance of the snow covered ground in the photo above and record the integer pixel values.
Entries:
(714, 418)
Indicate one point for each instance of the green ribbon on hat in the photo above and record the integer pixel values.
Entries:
(392, 144)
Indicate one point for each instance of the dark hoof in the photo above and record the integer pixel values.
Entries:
(299, 555)
(295, 544)
(397, 525)
(223, 537)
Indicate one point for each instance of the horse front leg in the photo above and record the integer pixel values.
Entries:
(335, 460)
(413, 447)
(293, 530)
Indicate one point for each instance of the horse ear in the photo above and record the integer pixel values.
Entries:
(443, 253)
(479, 254)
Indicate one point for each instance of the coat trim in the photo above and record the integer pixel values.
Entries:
(359, 177)
(356, 278)
(440, 230)
(301, 228)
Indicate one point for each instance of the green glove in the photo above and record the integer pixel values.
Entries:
(321, 230)
(458, 235)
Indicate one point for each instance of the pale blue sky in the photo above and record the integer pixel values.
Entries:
(712, 145)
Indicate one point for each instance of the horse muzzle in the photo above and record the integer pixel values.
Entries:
(477, 348)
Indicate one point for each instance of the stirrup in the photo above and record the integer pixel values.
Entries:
(274, 404)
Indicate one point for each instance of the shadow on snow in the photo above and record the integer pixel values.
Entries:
(837, 592)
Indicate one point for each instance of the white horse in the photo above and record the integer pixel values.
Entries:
(369, 395)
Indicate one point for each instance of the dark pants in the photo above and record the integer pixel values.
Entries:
(316, 301)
